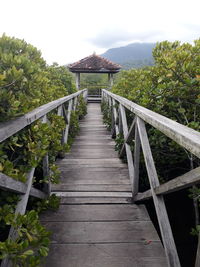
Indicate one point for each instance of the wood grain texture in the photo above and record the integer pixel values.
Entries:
(107, 255)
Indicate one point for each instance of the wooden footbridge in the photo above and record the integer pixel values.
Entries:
(99, 222)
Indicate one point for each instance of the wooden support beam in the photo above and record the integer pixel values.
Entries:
(163, 220)
(128, 138)
(181, 182)
(9, 184)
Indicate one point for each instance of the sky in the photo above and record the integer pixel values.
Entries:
(68, 30)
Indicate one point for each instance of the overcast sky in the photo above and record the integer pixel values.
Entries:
(68, 30)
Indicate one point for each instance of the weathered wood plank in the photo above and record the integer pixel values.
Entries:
(95, 200)
(65, 162)
(94, 213)
(92, 187)
(92, 194)
(88, 154)
(184, 181)
(163, 220)
(102, 232)
(184, 136)
(107, 255)
(10, 184)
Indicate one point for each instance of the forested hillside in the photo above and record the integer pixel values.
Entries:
(135, 55)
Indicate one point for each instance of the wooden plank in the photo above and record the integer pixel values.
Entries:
(92, 194)
(183, 135)
(102, 232)
(92, 187)
(88, 154)
(107, 255)
(163, 220)
(95, 142)
(95, 200)
(65, 162)
(94, 176)
(11, 127)
(92, 213)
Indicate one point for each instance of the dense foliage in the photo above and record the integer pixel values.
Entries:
(26, 82)
(171, 88)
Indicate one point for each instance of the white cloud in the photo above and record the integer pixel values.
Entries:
(66, 31)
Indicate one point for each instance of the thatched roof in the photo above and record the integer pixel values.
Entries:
(94, 64)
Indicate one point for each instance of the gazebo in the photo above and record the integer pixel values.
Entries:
(94, 64)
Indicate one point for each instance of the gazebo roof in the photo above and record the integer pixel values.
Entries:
(94, 64)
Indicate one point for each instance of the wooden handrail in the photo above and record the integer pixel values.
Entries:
(183, 135)
(11, 127)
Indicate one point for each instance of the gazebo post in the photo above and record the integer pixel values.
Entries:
(110, 79)
(78, 75)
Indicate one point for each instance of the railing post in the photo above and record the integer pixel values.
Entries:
(115, 118)
(163, 220)
(67, 118)
(74, 103)
(45, 166)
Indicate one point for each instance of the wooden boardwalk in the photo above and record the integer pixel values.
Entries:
(96, 224)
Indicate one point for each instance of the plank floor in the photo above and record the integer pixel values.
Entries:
(96, 224)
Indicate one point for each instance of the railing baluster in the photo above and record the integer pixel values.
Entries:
(68, 115)
(136, 160)
(163, 220)
(75, 103)
(45, 166)
(115, 125)
(127, 146)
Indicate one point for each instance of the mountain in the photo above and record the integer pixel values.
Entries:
(135, 55)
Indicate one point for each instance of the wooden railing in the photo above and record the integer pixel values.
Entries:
(184, 136)
(10, 128)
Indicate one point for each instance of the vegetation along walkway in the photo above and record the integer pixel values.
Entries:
(96, 224)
